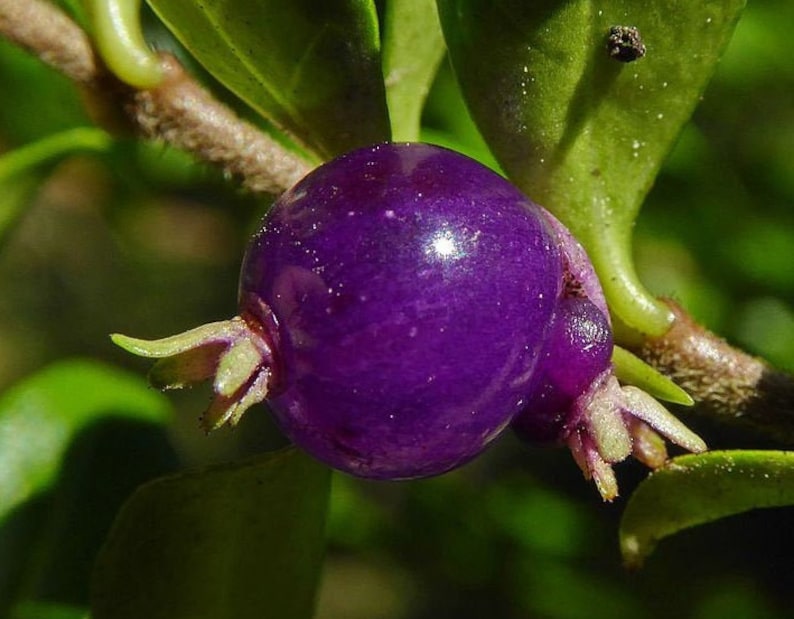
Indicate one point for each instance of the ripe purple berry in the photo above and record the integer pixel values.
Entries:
(401, 306)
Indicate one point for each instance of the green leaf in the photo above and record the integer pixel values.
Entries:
(31, 87)
(102, 467)
(696, 489)
(40, 415)
(236, 541)
(413, 47)
(21, 169)
(76, 10)
(52, 147)
(577, 130)
(446, 120)
(311, 68)
(46, 610)
(14, 197)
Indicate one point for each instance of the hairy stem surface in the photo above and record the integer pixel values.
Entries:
(179, 111)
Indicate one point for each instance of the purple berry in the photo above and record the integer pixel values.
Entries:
(401, 306)
(578, 349)
(412, 288)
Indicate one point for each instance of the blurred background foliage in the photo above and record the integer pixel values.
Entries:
(140, 239)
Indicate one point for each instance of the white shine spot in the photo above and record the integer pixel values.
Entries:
(444, 246)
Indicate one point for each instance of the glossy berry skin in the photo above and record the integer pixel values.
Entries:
(412, 289)
(577, 350)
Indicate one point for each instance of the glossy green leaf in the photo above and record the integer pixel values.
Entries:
(237, 541)
(42, 414)
(696, 489)
(311, 68)
(413, 47)
(579, 131)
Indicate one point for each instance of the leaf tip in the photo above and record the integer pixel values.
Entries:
(633, 551)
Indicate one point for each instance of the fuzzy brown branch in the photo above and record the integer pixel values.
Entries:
(47, 32)
(727, 384)
(179, 111)
(187, 116)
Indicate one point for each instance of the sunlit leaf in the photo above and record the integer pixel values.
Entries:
(581, 132)
(413, 47)
(312, 68)
(238, 541)
(42, 414)
(696, 489)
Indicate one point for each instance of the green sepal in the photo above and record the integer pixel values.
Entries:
(632, 370)
(213, 332)
(229, 352)
(238, 363)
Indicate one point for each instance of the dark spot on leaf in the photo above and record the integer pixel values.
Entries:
(625, 43)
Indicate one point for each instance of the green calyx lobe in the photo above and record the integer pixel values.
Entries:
(631, 370)
(231, 353)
